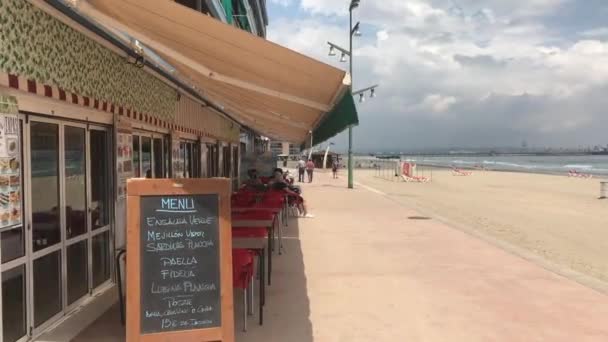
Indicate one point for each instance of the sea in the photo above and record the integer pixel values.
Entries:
(589, 164)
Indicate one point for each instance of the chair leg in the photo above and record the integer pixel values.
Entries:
(245, 310)
(280, 233)
(261, 289)
(250, 296)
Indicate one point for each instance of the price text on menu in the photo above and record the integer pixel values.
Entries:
(180, 263)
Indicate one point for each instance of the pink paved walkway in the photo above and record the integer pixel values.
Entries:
(362, 271)
(375, 275)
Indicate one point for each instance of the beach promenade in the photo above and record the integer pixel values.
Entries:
(369, 268)
(370, 271)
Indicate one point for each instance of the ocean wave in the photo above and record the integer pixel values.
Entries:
(506, 164)
(578, 166)
(464, 162)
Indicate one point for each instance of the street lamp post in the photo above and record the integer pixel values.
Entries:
(353, 4)
(353, 32)
(310, 152)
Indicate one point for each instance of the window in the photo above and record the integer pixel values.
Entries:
(46, 230)
(150, 156)
(189, 156)
(14, 312)
(136, 164)
(158, 158)
(146, 157)
(226, 161)
(100, 179)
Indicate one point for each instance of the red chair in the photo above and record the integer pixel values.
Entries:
(257, 232)
(243, 199)
(242, 276)
(254, 215)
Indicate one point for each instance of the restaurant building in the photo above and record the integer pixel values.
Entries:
(95, 92)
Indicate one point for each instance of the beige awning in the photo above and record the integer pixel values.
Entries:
(269, 88)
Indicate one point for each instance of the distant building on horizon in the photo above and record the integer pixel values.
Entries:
(286, 148)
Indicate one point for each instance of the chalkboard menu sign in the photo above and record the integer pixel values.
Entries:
(179, 261)
(180, 282)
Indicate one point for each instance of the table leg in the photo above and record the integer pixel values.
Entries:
(262, 284)
(250, 289)
(269, 257)
(280, 233)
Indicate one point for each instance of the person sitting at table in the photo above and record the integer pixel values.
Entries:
(278, 183)
(280, 176)
(254, 182)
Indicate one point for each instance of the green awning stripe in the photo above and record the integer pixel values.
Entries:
(343, 115)
(229, 12)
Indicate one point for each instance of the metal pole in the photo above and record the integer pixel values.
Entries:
(350, 128)
(310, 152)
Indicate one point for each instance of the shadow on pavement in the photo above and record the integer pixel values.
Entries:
(286, 314)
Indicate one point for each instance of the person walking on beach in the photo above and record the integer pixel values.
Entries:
(334, 168)
(310, 167)
(301, 170)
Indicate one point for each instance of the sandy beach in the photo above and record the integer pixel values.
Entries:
(557, 218)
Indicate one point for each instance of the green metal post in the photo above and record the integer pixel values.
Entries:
(350, 128)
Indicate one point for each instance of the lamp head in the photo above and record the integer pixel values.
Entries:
(343, 58)
(361, 98)
(356, 32)
(332, 51)
(372, 93)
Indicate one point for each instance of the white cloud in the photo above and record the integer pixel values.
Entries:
(435, 61)
(382, 35)
(438, 103)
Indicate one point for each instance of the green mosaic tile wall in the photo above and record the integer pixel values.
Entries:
(35, 45)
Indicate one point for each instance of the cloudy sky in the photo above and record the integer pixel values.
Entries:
(467, 73)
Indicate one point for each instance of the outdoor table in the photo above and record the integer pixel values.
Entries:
(259, 245)
(268, 224)
(277, 211)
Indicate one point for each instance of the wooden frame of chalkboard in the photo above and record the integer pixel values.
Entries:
(182, 241)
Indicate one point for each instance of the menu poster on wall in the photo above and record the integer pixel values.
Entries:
(124, 162)
(124, 155)
(10, 171)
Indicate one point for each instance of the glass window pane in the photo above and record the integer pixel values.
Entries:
(226, 162)
(47, 287)
(167, 157)
(210, 161)
(100, 182)
(235, 162)
(146, 156)
(196, 160)
(13, 244)
(13, 304)
(45, 182)
(78, 264)
(182, 160)
(158, 158)
(101, 258)
(75, 189)
(136, 166)
(188, 160)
